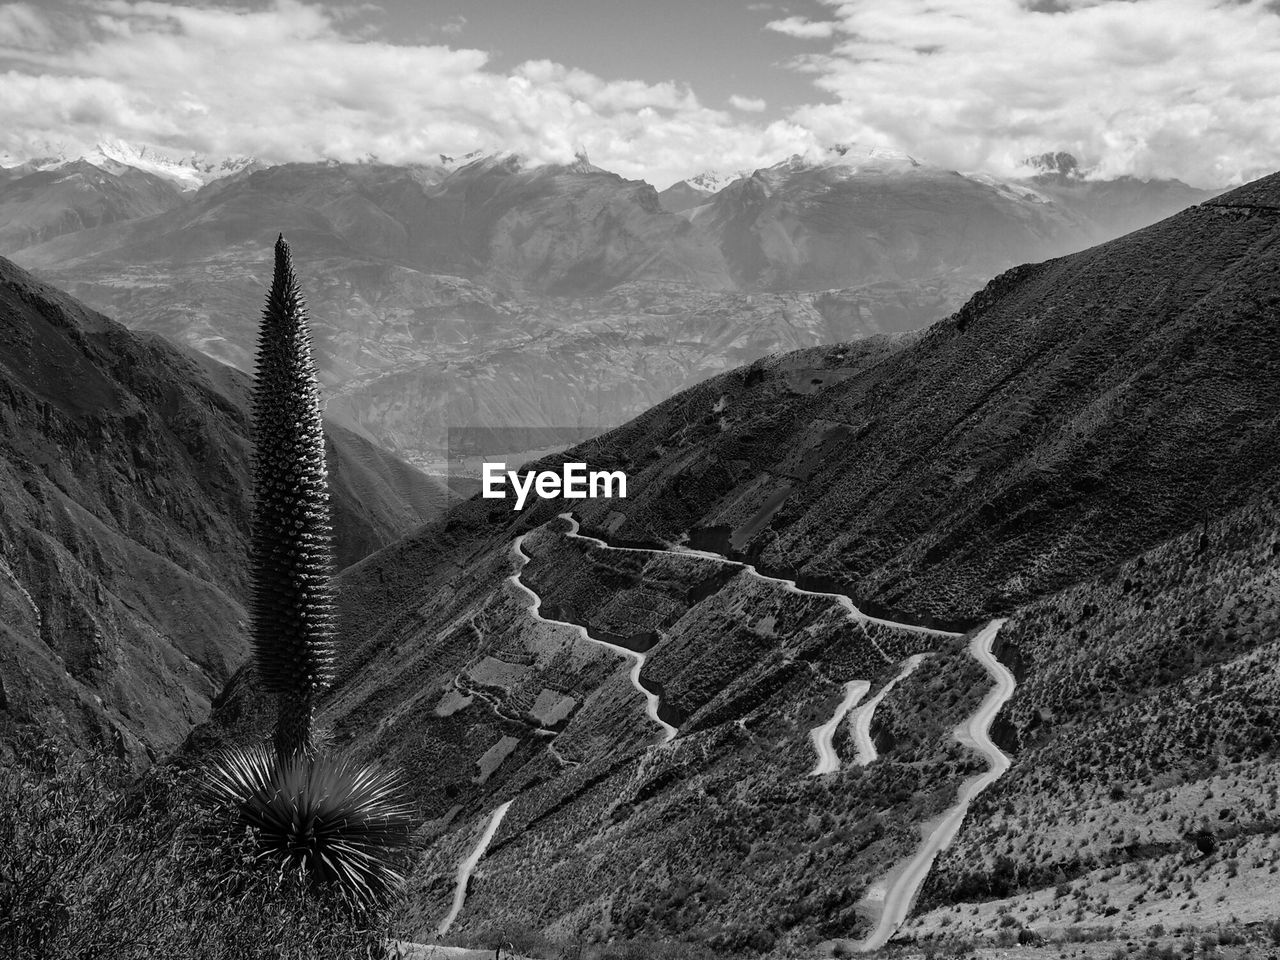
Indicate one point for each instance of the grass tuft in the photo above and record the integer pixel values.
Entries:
(340, 822)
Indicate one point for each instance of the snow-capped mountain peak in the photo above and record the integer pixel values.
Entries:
(847, 159)
(46, 157)
(189, 173)
(115, 156)
(713, 181)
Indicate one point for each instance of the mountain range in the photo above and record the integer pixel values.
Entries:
(114, 155)
(494, 293)
(723, 711)
(1077, 465)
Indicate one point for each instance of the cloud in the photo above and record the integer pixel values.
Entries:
(454, 25)
(749, 104)
(803, 28)
(291, 81)
(1170, 88)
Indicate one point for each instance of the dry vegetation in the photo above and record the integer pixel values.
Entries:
(97, 862)
(1146, 784)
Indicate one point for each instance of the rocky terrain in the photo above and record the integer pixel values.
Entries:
(124, 488)
(1085, 449)
(485, 292)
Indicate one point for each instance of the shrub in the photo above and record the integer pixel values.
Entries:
(1230, 938)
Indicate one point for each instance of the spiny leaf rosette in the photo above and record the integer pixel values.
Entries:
(292, 560)
(341, 823)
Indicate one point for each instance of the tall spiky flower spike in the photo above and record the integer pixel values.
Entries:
(292, 560)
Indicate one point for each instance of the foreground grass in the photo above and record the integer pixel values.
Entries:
(97, 863)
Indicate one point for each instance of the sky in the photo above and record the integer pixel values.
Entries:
(655, 89)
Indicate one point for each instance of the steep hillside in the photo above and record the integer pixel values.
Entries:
(1146, 778)
(1072, 413)
(124, 481)
(650, 693)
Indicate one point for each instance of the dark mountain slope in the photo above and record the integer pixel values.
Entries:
(124, 484)
(1072, 413)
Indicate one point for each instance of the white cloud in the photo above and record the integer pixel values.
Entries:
(1185, 88)
(749, 104)
(454, 25)
(292, 82)
(803, 28)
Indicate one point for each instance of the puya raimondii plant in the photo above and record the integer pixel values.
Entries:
(342, 824)
(292, 553)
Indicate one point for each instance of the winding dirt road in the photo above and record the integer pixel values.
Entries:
(894, 896)
(906, 880)
(828, 760)
(861, 718)
(535, 608)
(469, 864)
(789, 585)
(855, 690)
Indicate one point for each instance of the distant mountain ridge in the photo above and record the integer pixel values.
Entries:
(78, 195)
(499, 293)
(863, 216)
(187, 173)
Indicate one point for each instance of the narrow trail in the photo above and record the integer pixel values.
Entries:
(469, 864)
(828, 760)
(904, 882)
(535, 608)
(861, 718)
